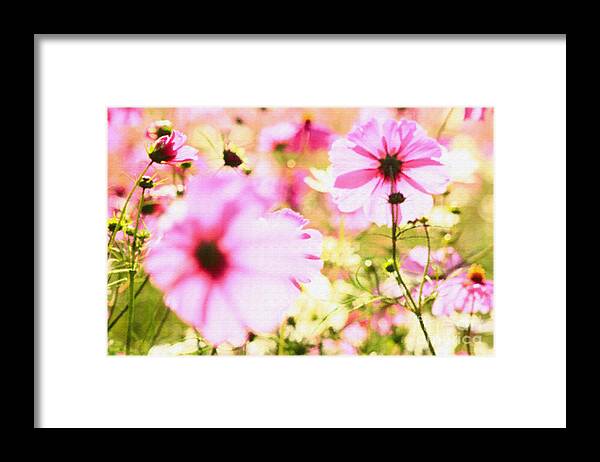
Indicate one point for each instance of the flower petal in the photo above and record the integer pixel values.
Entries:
(354, 179)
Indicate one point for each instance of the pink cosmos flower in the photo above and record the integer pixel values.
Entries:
(169, 149)
(295, 137)
(226, 266)
(442, 261)
(387, 161)
(467, 292)
(475, 113)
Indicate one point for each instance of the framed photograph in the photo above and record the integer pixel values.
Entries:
(296, 234)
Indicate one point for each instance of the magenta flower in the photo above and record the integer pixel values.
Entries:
(467, 292)
(382, 162)
(226, 266)
(295, 137)
(442, 261)
(169, 149)
(475, 113)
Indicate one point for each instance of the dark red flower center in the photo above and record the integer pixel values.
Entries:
(231, 159)
(476, 274)
(477, 278)
(390, 167)
(211, 259)
(119, 191)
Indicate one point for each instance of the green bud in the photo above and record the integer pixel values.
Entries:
(389, 265)
(146, 182)
(113, 224)
(143, 234)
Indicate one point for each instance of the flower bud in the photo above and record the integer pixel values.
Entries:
(159, 128)
(146, 182)
(161, 150)
(396, 198)
(143, 234)
(113, 224)
(389, 265)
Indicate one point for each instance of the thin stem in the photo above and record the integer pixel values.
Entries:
(429, 344)
(130, 319)
(469, 348)
(124, 310)
(416, 308)
(132, 272)
(443, 126)
(151, 325)
(426, 270)
(124, 208)
(160, 326)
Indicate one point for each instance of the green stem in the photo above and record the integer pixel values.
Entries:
(426, 270)
(469, 348)
(416, 308)
(124, 208)
(132, 272)
(159, 330)
(422, 324)
(130, 318)
(124, 310)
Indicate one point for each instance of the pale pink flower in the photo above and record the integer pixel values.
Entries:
(467, 292)
(322, 181)
(226, 266)
(355, 332)
(295, 137)
(336, 347)
(441, 262)
(387, 161)
(382, 322)
(475, 113)
(169, 149)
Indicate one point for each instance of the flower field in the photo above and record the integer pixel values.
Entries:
(300, 231)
